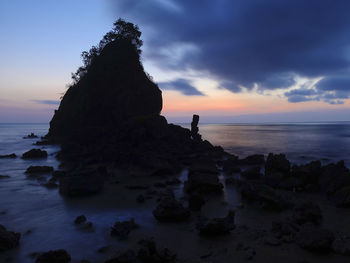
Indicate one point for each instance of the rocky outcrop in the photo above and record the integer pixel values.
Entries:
(121, 229)
(315, 239)
(170, 210)
(8, 239)
(217, 226)
(12, 155)
(54, 256)
(39, 169)
(34, 154)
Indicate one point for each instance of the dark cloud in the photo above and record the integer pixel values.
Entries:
(241, 42)
(48, 102)
(181, 85)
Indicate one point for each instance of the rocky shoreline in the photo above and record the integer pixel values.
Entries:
(113, 139)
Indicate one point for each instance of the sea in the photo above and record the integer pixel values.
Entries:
(45, 218)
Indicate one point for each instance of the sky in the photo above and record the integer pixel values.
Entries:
(228, 61)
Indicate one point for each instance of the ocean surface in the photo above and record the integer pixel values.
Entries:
(44, 217)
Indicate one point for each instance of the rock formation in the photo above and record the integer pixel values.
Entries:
(111, 113)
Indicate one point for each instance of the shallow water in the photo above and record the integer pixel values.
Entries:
(45, 218)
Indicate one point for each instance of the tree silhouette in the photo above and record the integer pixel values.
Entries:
(122, 31)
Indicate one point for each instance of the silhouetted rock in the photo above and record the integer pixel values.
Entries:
(263, 194)
(307, 212)
(230, 165)
(170, 210)
(8, 239)
(82, 182)
(255, 159)
(217, 226)
(277, 168)
(34, 153)
(315, 239)
(195, 202)
(252, 173)
(12, 155)
(30, 136)
(194, 128)
(121, 229)
(147, 253)
(333, 177)
(342, 197)
(308, 174)
(80, 219)
(203, 183)
(39, 169)
(54, 256)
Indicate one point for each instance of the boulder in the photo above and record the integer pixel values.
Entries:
(203, 183)
(308, 174)
(81, 182)
(195, 202)
(217, 226)
(277, 163)
(334, 177)
(80, 219)
(252, 173)
(263, 194)
(54, 256)
(8, 239)
(34, 154)
(342, 197)
(170, 210)
(39, 169)
(230, 165)
(30, 136)
(12, 155)
(147, 252)
(307, 212)
(315, 239)
(255, 159)
(122, 229)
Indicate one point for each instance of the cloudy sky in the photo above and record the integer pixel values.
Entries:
(229, 61)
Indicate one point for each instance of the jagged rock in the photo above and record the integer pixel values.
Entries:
(217, 226)
(334, 177)
(170, 210)
(255, 159)
(267, 196)
(277, 163)
(307, 212)
(12, 155)
(54, 256)
(308, 174)
(203, 183)
(290, 183)
(195, 202)
(122, 229)
(39, 169)
(252, 173)
(30, 136)
(315, 239)
(194, 128)
(51, 183)
(230, 165)
(82, 182)
(34, 154)
(8, 239)
(204, 166)
(342, 197)
(80, 219)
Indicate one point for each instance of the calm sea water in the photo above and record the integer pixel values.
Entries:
(45, 218)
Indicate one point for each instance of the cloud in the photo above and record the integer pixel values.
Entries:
(48, 102)
(247, 43)
(181, 85)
